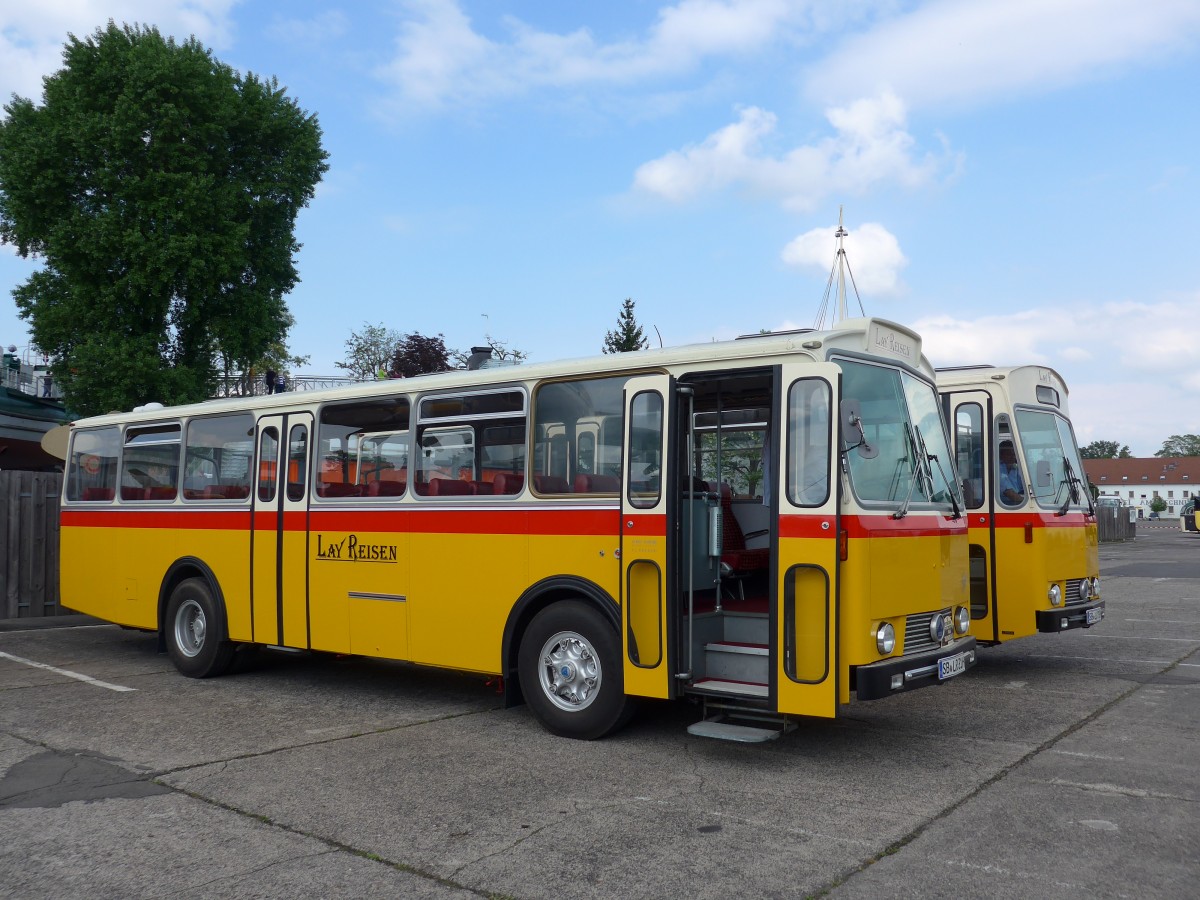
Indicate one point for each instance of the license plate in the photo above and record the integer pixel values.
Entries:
(950, 666)
(1095, 615)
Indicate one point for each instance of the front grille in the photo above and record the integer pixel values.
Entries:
(916, 632)
(1071, 597)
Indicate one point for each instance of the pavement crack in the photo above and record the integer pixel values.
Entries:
(302, 745)
(333, 845)
(234, 878)
(512, 845)
(1117, 790)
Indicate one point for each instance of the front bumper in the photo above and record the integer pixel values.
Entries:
(1079, 615)
(917, 671)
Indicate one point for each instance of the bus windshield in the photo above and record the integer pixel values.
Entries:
(1052, 460)
(900, 420)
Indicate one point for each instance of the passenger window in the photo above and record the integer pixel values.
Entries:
(268, 464)
(92, 466)
(447, 454)
(217, 458)
(808, 442)
(1010, 484)
(968, 452)
(297, 462)
(363, 449)
(578, 427)
(471, 445)
(150, 463)
(645, 450)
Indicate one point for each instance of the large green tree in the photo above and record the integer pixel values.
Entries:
(628, 334)
(1180, 445)
(1105, 450)
(160, 189)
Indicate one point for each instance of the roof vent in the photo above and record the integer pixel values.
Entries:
(479, 355)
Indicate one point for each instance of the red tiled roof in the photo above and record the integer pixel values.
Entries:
(1155, 469)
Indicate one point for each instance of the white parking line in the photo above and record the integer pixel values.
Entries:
(1149, 637)
(86, 678)
(1164, 621)
(38, 627)
(1116, 659)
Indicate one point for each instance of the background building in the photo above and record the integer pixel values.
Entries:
(1138, 481)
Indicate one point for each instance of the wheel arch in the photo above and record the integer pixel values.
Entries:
(179, 571)
(535, 598)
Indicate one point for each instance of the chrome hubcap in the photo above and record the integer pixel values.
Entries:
(570, 673)
(190, 628)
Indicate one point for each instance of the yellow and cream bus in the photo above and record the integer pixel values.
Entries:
(1034, 550)
(767, 525)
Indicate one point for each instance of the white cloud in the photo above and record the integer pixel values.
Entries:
(948, 51)
(442, 60)
(873, 254)
(1158, 394)
(870, 145)
(32, 35)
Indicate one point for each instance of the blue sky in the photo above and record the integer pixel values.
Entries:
(1019, 177)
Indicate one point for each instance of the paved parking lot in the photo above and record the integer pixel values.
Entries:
(1061, 766)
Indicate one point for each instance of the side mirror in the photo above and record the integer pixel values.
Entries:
(1042, 475)
(853, 436)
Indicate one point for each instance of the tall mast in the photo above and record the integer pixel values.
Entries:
(841, 267)
(840, 234)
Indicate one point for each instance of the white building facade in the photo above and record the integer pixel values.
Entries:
(1136, 482)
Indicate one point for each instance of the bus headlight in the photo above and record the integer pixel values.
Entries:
(1055, 595)
(962, 619)
(1085, 589)
(1096, 586)
(885, 638)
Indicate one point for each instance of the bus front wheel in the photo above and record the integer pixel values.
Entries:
(196, 631)
(570, 671)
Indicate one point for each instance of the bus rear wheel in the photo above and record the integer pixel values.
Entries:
(570, 672)
(195, 631)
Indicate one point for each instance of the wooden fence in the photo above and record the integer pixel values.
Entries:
(1116, 523)
(29, 539)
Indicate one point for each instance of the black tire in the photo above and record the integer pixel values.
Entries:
(571, 674)
(195, 631)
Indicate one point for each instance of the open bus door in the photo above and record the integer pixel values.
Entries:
(279, 531)
(643, 544)
(806, 603)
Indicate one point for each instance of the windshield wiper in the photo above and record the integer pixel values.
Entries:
(946, 481)
(1073, 484)
(917, 472)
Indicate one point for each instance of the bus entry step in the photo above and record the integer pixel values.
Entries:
(727, 731)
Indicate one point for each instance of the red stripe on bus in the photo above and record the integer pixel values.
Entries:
(644, 525)
(268, 519)
(806, 526)
(912, 525)
(1037, 520)
(115, 517)
(501, 520)
(563, 520)
(881, 526)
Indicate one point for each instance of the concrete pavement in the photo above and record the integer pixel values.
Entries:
(1061, 766)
